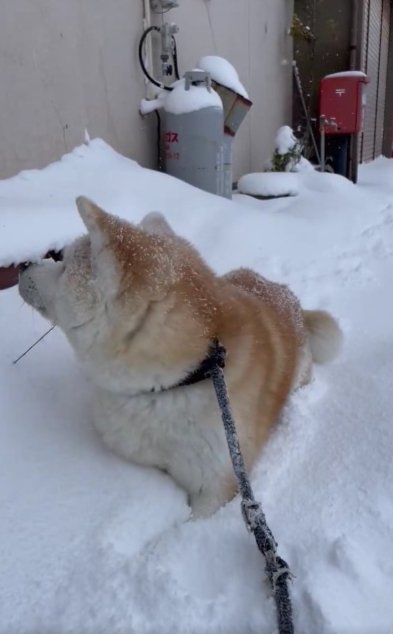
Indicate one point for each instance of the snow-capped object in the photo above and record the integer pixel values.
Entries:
(269, 184)
(347, 73)
(285, 140)
(180, 100)
(223, 73)
(150, 105)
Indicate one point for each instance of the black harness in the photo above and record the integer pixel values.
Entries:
(215, 356)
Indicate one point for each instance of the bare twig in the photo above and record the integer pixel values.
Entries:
(33, 345)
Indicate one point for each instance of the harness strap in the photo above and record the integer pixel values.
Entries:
(215, 356)
(277, 570)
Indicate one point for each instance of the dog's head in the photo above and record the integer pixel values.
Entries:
(137, 303)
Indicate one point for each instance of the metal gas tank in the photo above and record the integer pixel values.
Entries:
(196, 150)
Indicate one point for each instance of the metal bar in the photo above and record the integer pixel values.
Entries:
(304, 106)
(322, 122)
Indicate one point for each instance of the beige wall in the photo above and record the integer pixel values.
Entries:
(252, 35)
(70, 65)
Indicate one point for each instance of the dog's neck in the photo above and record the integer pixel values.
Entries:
(215, 357)
(161, 383)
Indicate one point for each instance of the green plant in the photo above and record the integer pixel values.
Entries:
(301, 31)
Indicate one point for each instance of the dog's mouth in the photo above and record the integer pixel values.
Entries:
(28, 288)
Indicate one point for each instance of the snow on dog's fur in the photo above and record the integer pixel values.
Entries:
(141, 308)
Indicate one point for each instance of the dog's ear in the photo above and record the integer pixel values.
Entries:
(100, 226)
(156, 223)
(93, 217)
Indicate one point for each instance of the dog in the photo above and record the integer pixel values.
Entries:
(141, 309)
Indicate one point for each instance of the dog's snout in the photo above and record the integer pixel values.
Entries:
(24, 265)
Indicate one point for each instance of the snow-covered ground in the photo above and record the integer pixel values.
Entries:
(92, 545)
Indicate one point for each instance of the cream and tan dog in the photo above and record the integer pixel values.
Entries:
(141, 308)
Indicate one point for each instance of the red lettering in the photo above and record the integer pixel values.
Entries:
(171, 137)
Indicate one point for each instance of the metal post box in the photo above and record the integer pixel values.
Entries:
(342, 102)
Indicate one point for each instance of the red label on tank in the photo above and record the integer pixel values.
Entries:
(171, 137)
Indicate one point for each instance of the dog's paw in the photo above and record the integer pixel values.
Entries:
(204, 504)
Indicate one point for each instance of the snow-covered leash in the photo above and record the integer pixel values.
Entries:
(277, 570)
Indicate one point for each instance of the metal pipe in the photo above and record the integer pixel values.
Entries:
(354, 64)
(150, 93)
(322, 122)
(354, 41)
(304, 106)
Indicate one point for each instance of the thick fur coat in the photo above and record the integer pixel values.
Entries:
(140, 308)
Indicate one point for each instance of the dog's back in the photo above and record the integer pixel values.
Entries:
(268, 349)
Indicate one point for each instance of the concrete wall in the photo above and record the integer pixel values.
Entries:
(67, 66)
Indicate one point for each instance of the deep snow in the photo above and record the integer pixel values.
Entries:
(92, 545)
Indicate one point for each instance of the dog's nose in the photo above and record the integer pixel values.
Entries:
(24, 265)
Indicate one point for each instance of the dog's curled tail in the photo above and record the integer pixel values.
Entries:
(324, 335)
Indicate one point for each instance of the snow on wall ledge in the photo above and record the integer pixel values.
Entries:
(38, 212)
(37, 207)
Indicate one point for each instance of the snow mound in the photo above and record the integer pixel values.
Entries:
(325, 182)
(269, 184)
(304, 165)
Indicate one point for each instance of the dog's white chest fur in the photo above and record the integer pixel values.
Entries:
(178, 431)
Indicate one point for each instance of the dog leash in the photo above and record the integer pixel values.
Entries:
(277, 570)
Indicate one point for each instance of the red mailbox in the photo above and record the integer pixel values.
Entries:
(342, 102)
